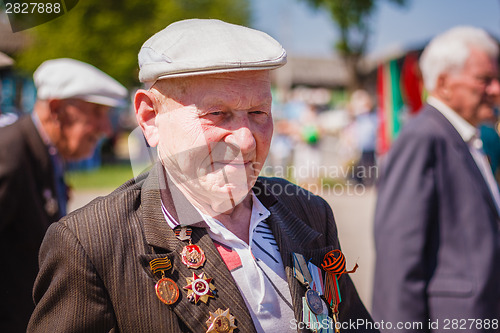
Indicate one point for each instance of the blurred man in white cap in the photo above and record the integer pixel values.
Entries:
(200, 243)
(69, 117)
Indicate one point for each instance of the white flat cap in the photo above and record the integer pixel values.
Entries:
(198, 47)
(69, 78)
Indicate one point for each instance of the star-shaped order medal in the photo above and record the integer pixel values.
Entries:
(200, 288)
(221, 322)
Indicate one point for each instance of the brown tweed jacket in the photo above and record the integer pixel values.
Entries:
(94, 264)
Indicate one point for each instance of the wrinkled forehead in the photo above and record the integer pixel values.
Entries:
(200, 86)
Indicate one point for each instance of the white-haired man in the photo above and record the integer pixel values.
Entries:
(437, 215)
(69, 117)
(200, 243)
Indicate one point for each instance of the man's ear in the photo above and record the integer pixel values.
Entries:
(55, 107)
(146, 115)
(442, 86)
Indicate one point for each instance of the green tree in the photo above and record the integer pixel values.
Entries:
(352, 18)
(108, 34)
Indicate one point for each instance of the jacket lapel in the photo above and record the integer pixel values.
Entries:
(292, 235)
(42, 166)
(163, 242)
(462, 148)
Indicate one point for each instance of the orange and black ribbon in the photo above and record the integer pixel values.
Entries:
(334, 265)
(160, 265)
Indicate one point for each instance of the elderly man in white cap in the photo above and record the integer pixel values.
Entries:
(199, 243)
(69, 117)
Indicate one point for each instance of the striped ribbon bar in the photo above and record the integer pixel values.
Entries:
(160, 264)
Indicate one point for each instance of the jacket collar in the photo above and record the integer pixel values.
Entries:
(461, 147)
(292, 234)
(42, 165)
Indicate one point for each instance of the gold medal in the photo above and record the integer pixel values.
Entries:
(200, 288)
(193, 256)
(167, 291)
(221, 322)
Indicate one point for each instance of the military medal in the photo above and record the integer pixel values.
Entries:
(200, 288)
(166, 289)
(192, 255)
(51, 206)
(221, 322)
(334, 266)
(314, 301)
(314, 309)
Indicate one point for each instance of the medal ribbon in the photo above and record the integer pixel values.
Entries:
(334, 267)
(183, 233)
(300, 269)
(160, 264)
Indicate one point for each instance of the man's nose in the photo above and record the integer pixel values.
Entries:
(242, 136)
(105, 127)
(493, 88)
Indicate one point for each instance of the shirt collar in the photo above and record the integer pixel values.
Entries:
(43, 134)
(466, 130)
(259, 213)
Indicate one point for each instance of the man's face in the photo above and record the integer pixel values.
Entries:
(476, 86)
(214, 136)
(82, 124)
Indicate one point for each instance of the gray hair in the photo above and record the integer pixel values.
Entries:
(448, 52)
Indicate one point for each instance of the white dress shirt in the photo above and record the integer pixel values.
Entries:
(470, 135)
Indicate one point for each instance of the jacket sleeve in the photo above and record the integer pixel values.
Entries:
(10, 185)
(405, 212)
(69, 294)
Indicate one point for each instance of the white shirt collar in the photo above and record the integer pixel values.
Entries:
(466, 130)
(221, 234)
(259, 213)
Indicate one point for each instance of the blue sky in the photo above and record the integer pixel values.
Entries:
(307, 32)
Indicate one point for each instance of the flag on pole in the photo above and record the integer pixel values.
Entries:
(390, 104)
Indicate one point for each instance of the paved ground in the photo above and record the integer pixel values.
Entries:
(353, 209)
(354, 216)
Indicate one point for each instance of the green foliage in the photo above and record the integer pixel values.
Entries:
(352, 17)
(107, 176)
(109, 33)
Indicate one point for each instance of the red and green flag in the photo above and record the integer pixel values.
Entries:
(390, 104)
